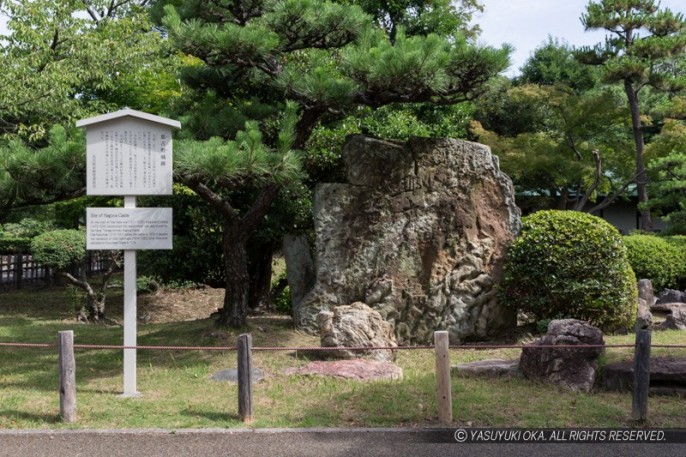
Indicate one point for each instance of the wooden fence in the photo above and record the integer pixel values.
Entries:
(20, 270)
(244, 349)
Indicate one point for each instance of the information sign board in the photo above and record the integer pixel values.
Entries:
(128, 152)
(128, 228)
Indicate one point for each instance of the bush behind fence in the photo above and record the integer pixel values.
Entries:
(19, 270)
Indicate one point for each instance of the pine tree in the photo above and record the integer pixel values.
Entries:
(643, 41)
(263, 60)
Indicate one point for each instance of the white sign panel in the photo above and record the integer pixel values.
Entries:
(129, 156)
(128, 228)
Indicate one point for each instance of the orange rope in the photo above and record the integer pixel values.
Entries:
(341, 348)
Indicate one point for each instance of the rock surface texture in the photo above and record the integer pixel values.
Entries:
(356, 325)
(646, 299)
(671, 296)
(667, 376)
(488, 368)
(676, 320)
(418, 233)
(571, 368)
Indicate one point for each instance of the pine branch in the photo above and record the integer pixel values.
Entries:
(214, 199)
(259, 208)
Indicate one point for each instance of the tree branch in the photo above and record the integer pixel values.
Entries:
(259, 208)
(92, 12)
(608, 200)
(214, 199)
(78, 283)
(596, 182)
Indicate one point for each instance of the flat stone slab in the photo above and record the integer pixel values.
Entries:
(667, 307)
(488, 368)
(231, 375)
(359, 369)
(667, 376)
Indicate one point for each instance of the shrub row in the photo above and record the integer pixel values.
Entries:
(15, 245)
(660, 259)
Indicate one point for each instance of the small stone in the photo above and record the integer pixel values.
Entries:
(667, 376)
(488, 368)
(676, 320)
(355, 325)
(671, 296)
(571, 368)
(646, 299)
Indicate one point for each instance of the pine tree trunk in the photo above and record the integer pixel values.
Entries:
(235, 309)
(260, 271)
(641, 175)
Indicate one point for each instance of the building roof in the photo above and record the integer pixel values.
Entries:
(128, 112)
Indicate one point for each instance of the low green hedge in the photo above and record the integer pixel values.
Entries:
(660, 259)
(15, 245)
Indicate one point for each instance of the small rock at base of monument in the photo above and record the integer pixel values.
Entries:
(358, 369)
(646, 299)
(355, 325)
(488, 368)
(571, 368)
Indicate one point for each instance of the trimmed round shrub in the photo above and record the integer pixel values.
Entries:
(656, 258)
(568, 264)
(59, 249)
(679, 242)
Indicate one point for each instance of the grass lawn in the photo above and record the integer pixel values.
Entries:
(177, 391)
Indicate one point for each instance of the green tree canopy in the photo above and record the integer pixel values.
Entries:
(422, 17)
(264, 61)
(668, 171)
(554, 63)
(643, 45)
(58, 53)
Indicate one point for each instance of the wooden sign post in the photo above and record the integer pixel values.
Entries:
(129, 153)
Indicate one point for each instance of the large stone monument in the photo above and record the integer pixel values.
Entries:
(419, 234)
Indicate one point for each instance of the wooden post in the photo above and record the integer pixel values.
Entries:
(19, 270)
(67, 367)
(443, 386)
(639, 406)
(245, 377)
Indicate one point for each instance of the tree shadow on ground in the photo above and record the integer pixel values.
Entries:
(11, 414)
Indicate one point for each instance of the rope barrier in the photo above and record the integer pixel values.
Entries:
(482, 347)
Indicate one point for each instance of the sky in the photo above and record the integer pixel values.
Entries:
(526, 24)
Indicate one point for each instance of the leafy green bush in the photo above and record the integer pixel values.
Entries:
(282, 302)
(147, 284)
(679, 242)
(570, 264)
(656, 258)
(59, 249)
(15, 245)
(27, 228)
